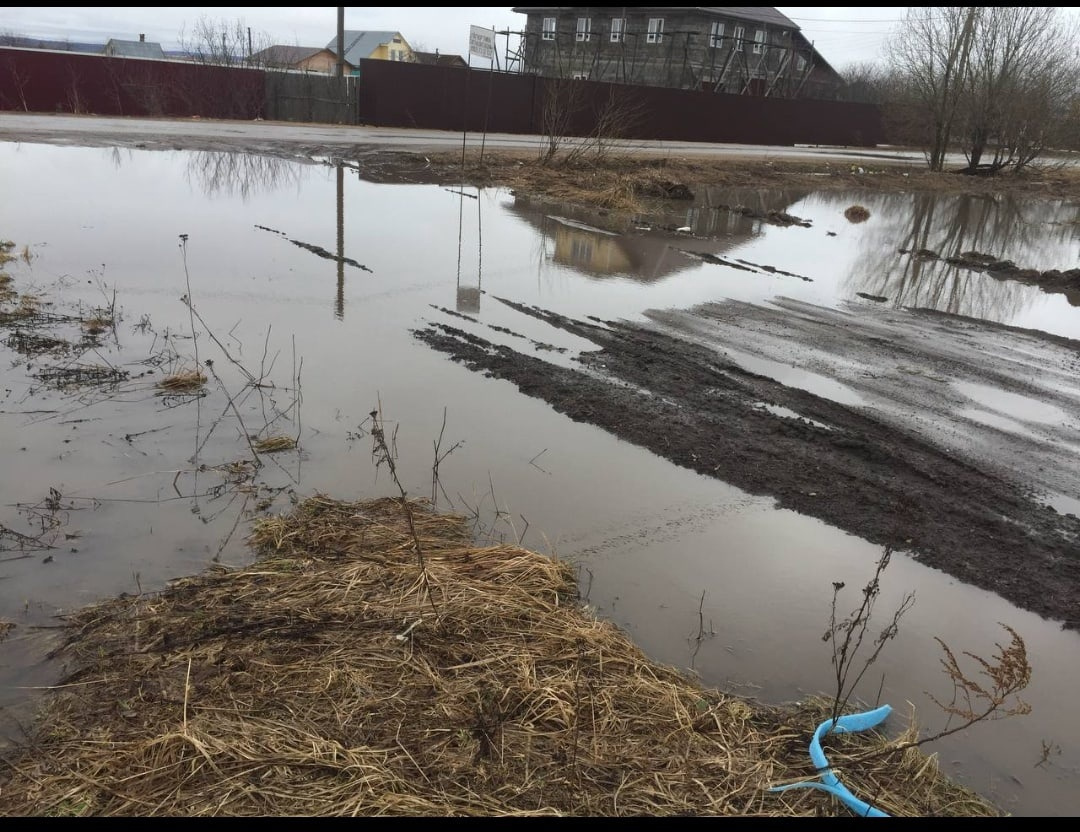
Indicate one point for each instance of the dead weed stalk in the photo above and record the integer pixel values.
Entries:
(384, 456)
(996, 695)
(846, 636)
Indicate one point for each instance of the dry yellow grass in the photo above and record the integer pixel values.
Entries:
(184, 381)
(97, 324)
(273, 444)
(331, 677)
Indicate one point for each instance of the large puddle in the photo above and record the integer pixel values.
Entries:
(312, 278)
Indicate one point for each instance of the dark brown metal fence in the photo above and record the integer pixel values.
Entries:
(71, 82)
(446, 98)
(394, 94)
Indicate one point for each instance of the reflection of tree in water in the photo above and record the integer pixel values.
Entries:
(1032, 234)
(118, 156)
(221, 173)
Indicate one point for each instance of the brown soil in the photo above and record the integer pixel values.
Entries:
(637, 182)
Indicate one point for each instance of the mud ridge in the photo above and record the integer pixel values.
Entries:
(687, 404)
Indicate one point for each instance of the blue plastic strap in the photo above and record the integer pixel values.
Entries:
(829, 781)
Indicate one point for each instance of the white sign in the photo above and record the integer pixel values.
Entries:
(482, 42)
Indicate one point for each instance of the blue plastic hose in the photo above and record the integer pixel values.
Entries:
(829, 782)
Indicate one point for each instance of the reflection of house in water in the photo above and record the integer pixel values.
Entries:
(603, 246)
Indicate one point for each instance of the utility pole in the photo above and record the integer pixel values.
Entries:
(341, 41)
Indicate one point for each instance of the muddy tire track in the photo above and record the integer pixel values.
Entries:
(840, 464)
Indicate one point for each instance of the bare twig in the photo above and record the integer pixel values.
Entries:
(436, 485)
(846, 636)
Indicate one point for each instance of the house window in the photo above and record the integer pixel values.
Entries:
(759, 41)
(618, 29)
(581, 251)
(549, 28)
(656, 30)
(584, 29)
(716, 35)
(740, 35)
(800, 63)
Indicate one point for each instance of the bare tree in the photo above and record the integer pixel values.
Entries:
(20, 80)
(229, 45)
(998, 81)
(223, 42)
(1021, 79)
(864, 82)
(931, 53)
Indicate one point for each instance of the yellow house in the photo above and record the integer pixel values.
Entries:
(378, 46)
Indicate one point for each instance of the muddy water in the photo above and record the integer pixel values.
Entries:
(306, 271)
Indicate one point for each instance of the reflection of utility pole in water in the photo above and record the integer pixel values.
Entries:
(339, 303)
(468, 296)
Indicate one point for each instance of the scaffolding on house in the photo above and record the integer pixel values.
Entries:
(625, 62)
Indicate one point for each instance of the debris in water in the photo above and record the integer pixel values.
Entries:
(185, 381)
(273, 444)
(857, 213)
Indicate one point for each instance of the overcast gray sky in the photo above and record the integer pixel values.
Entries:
(842, 34)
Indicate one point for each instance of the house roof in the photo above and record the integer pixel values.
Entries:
(818, 59)
(134, 48)
(280, 55)
(437, 59)
(359, 44)
(757, 14)
(23, 42)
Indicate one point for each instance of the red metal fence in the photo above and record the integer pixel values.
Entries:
(71, 82)
(395, 94)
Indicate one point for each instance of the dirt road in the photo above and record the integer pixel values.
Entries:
(958, 495)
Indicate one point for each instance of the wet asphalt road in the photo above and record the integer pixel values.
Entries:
(251, 135)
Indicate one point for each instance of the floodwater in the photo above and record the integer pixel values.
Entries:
(312, 278)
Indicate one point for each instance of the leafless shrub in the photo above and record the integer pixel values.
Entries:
(846, 636)
(1008, 673)
(563, 99)
(620, 117)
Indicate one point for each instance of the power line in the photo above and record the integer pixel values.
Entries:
(849, 20)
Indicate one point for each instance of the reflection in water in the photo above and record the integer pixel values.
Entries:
(339, 302)
(467, 299)
(1037, 235)
(119, 155)
(624, 247)
(219, 173)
